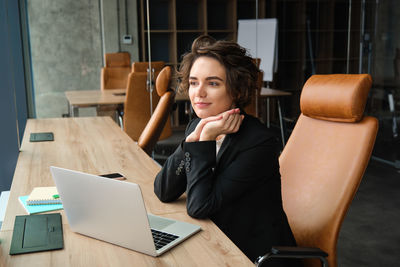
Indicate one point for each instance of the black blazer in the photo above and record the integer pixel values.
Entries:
(239, 189)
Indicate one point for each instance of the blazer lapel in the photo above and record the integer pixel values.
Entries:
(224, 145)
(230, 140)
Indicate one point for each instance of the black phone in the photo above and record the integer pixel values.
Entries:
(41, 137)
(115, 175)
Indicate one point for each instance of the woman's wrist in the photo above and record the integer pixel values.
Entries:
(191, 138)
(207, 136)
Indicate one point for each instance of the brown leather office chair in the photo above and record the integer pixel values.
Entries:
(323, 162)
(161, 114)
(137, 104)
(115, 73)
(143, 66)
(254, 106)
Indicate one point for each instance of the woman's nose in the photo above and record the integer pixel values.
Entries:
(201, 90)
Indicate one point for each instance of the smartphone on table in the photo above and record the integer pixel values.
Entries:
(114, 175)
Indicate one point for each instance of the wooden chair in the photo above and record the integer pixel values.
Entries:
(152, 132)
(115, 73)
(323, 163)
(137, 104)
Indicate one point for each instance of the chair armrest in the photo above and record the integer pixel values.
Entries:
(294, 252)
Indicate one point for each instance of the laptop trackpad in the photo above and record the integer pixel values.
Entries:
(159, 223)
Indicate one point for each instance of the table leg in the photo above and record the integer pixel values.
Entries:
(175, 116)
(393, 111)
(268, 122)
(120, 115)
(69, 110)
(74, 111)
(281, 123)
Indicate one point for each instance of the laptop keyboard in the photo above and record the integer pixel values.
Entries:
(161, 239)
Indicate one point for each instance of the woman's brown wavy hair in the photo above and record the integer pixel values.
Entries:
(241, 71)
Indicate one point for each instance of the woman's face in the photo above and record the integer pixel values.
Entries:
(207, 88)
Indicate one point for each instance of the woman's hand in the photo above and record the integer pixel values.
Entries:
(229, 123)
(195, 135)
(210, 128)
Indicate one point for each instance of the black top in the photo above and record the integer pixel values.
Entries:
(239, 189)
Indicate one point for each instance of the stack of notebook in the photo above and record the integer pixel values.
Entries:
(41, 199)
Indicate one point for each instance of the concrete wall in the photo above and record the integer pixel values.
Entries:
(68, 39)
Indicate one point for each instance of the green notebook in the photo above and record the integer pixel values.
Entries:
(34, 233)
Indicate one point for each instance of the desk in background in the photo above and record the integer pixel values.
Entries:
(113, 99)
(97, 145)
(268, 93)
(93, 98)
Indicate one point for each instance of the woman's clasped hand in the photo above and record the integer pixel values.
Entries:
(215, 126)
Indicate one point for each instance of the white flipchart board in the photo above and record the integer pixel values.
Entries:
(259, 37)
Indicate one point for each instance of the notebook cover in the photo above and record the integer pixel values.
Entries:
(34, 233)
(32, 209)
(43, 195)
(41, 137)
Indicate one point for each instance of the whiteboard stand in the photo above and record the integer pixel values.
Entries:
(260, 38)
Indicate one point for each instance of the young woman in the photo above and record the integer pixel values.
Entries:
(228, 163)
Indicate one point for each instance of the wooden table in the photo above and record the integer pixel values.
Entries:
(268, 92)
(93, 98)
(97, 145)
(113, 98)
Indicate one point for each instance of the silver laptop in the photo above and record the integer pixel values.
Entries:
(114, 211)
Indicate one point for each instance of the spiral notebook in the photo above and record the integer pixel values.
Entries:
(33, 209)
(43, 196)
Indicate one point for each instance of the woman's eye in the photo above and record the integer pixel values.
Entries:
(192, 83)
(213, 83)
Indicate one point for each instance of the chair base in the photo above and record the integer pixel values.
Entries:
(294, 253)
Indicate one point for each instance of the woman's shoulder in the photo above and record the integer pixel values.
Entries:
(255, 131)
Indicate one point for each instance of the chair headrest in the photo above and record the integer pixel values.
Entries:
(142, 66)
(122, 59)
(163, 80)
(335, 97)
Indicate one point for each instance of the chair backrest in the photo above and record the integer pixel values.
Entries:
(115, 73)
(161, 114)
(137, 104)
(117, 60)
(325, 158)
(143, 66)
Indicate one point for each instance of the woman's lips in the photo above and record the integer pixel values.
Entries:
(202, 105)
